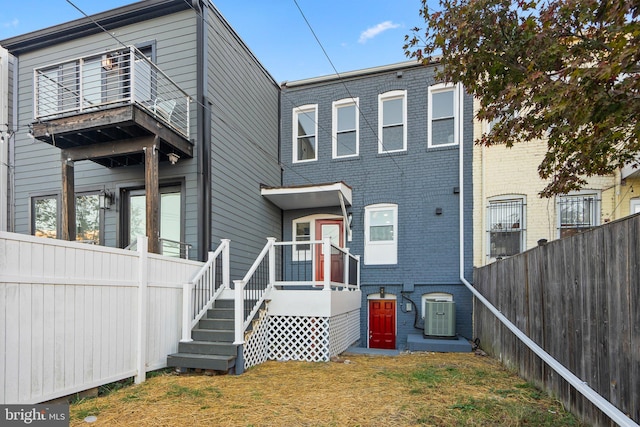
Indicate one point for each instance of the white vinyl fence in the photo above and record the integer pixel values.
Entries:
(76, 316)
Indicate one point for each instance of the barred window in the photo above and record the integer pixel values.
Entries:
(577, 213)
(506, 227)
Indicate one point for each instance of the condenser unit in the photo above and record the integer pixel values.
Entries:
(439, 318)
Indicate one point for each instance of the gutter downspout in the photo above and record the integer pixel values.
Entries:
(203, 135)
(581, 386)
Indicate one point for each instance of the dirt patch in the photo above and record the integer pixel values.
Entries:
(438, 389)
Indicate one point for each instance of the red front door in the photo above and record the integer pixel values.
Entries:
(382, 323)
(332, 228)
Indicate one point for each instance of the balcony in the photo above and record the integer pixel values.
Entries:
(106, 106)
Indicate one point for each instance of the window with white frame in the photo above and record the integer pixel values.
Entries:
(443, 118)
(506, 226)
(381, 234)
(577, 212)
(305, 131)
(392, 121)
(302, 233)
(345, 129)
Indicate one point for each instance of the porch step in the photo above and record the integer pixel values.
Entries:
(212, 335)
(201, 361)
(205, 347)
(212, 346)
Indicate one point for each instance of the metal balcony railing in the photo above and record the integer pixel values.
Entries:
(116, 77)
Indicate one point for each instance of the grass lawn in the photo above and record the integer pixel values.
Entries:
(419, 389)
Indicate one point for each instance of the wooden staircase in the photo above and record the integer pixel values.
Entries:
(212, 347)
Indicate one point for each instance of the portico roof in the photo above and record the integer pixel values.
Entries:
(308, 196)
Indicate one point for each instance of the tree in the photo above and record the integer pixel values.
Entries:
(565, 71)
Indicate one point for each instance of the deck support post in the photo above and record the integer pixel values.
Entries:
(68, 210)
(152, 194)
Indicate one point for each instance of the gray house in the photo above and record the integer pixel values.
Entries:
(157, 121)
(373, 159)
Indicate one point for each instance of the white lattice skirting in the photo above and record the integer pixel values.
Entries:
(309, 339)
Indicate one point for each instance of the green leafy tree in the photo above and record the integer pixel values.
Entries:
(562, 71)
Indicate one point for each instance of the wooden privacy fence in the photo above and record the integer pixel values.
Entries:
(76, 316)
(577, 298)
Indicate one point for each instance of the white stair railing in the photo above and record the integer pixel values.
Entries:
(199, 294)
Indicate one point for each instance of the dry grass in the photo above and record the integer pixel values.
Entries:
(420, 389)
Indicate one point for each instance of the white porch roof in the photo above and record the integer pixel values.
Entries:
(308, 196)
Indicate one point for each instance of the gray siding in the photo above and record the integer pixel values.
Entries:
(244, 149)
(418, 181)
(37, 165)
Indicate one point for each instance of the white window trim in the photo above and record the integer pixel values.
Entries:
(296, 112)
(387, 96)
(311, 219)
(334, 130)
(443, 87)
(597, 208)
(391, 253)
(523, 225)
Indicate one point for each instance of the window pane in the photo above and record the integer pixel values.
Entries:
(137, 217)
(346, 118)
(346, 143)
(45, 213)
(505, 215)
(48, 92)
(381, 217)
(306, 148)
(442, 104)
(306, 123)
(442, 132)
(91, 82)
(88, 219)
(381, 233)
(392, 112)
(170, 212)
(504, 244)
(392, 138)
(303, 234)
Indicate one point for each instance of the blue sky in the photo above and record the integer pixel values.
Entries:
(355, 34)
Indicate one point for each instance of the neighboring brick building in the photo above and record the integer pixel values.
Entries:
(509, 214)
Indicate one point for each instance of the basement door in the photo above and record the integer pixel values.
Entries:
(332, 228)
(382, 323)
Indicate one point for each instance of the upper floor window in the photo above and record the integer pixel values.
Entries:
(443, 118)
(506, 226)
(392, 121)
(577, 212)
(305, 131)
(381, 234)
(345, 132)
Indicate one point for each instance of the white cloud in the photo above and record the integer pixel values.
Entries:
(10, 24)
(370, 33)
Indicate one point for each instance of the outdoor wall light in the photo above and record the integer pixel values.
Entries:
(438, 211)
(173, 158)
(381, 291)
(107, 62)
(105, 199)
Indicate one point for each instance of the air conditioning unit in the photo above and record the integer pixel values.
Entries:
(439, 318)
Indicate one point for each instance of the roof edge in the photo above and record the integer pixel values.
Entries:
(356, 73)
(110, 19)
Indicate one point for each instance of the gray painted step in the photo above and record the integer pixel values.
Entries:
(220, 313)
(215, 323)
(223, 303)
(205, 347)
(201, 361)
(212, 335)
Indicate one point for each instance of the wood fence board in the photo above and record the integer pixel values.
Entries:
(634, 315)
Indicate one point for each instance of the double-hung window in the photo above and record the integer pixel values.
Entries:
(381, 234)
(577, 212)
(392, 121)
(305, 131)
(506, 226)
(345, 132)
(302, 233)
(443, 117)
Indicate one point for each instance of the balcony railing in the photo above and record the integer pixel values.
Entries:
(117, 77)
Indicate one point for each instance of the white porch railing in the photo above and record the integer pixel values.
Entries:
(206, 286)
(115, 77)
(253, 289)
